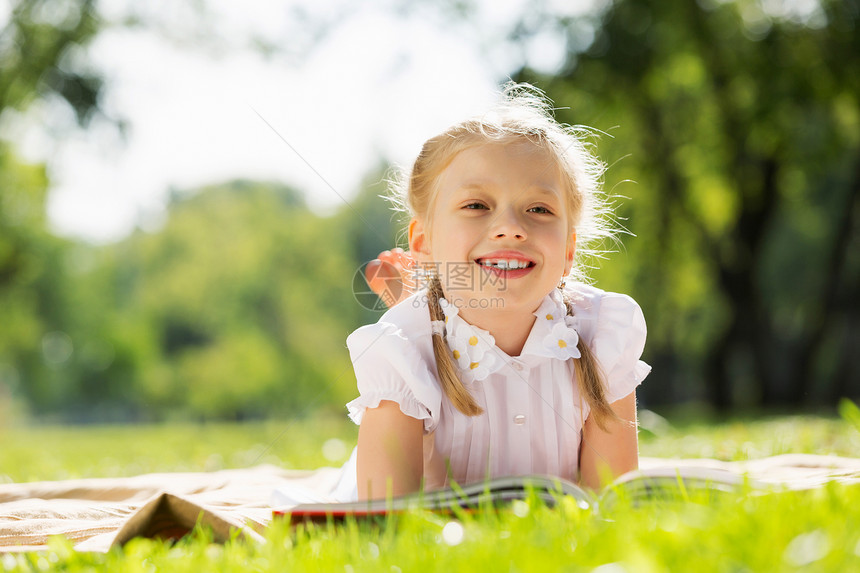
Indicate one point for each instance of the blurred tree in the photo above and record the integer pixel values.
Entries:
(744, 129)
(236, 308)
(239, 305)
(40, 45)
(372, 222)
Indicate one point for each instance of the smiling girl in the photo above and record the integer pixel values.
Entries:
(503, 364)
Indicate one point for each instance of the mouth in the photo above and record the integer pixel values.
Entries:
(505, 264)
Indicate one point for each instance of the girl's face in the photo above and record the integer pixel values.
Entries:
(500, 236)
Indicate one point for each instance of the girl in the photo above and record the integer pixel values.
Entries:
(502, 365)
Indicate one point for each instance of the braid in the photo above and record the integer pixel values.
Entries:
(451, 384)
(590, 378)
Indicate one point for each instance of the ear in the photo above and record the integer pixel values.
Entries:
(419, 241)
(569, 252)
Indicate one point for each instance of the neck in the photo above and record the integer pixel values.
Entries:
(509, 328)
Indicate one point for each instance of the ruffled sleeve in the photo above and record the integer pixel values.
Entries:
(389, 366)
(618, 341)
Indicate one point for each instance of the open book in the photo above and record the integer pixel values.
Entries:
(637, 485)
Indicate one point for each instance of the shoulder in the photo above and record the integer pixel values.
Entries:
(613, 326)
(393, 360)
(597, 309)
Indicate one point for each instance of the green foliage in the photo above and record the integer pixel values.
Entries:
(241, 303)
(34, 307)
(850, 412)
(23, 243)
(236, 308)
(41, 45)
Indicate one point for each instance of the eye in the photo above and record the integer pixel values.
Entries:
(540, 209)
(475, 205)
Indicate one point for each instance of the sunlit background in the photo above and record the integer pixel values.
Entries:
(187, 189)
(204, 90)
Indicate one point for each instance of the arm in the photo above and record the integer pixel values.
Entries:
(390, 452)
(606, 454)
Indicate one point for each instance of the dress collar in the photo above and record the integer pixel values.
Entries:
(553, 335)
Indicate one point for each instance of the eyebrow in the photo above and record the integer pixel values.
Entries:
(482, 186)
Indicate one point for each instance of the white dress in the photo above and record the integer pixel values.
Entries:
(533, 412)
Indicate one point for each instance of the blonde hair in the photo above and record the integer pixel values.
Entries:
(524, 113)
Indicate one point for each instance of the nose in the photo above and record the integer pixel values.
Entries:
(508, 225)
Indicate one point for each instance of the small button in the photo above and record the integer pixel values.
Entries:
(518, 367)
(519, 419)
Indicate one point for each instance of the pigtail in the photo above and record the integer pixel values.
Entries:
(451, 384)
(590, 378)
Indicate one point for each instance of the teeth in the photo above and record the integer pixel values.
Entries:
(505, 264)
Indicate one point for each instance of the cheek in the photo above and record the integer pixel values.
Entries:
(559, 248)
(450, 245)
(455, 237)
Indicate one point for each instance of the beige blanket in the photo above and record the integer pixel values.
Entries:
(98, 513)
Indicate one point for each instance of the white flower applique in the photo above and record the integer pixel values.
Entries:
(562, 339)
(471, 347)
(473, 351)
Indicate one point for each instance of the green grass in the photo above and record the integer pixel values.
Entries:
(53, 452)
(748, 438)
(816, 530)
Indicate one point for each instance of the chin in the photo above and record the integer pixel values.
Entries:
(507, 300)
